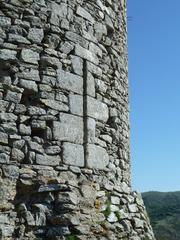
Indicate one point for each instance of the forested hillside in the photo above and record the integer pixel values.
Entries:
(164, 212)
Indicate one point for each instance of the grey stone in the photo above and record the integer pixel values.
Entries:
(32, 110)
(11, 171)
(77, 65)
(83, 13)
(74, 37)
(6, 54)
(24, 129)
(76, 104)
(59, 106)
(5, 21)
(7, 117)
(48, 160)
(3, 138)
(112, 218)
(29, 86)
(36, 35)
(73, 154)
(97, 71)
(30, 56)
(66, 47)
(86, 54)
(13, 96)
(15, 38)
(97, 109)
(70, 128)
(31, 74)
(17, 155)
(97, 157)
(69, 81)
(90, 85)
(38, 124)
(53, 150)
(101, 86)
(91, 130)
(4, 158)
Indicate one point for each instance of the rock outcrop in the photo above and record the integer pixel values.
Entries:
(64, 122)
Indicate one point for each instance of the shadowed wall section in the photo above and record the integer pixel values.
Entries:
(64, 122)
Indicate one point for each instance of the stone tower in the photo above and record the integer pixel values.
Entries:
(64, 123)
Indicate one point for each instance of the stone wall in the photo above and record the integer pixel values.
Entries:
(64, 122)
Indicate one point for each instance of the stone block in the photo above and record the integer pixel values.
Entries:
(69, 81)
(36, 35)
(86, 54)
(84, 14)
(3, 138)
(95, 70)
(73, 154)
(74, 37)
(76, 104)
(6, 54)
(4, 158)
(59, 106)
(48, 160)
(13, 96)
(69, 128)
(29, 86)
(7, 117)
(90, 85)
(30, 56)
(91, 130)
(97, 157)
(5, 21)
(96, 109)
(77, 65)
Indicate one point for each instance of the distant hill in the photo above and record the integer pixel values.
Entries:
(164, 212)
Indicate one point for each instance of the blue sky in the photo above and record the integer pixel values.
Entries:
(154, 77)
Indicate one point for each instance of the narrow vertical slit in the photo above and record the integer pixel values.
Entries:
(85, 140)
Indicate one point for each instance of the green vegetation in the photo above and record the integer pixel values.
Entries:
(71, 237)
(164, 212)
(107, 211)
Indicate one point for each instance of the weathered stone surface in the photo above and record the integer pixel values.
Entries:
(29, 86)
(70, 128)
(97, 109)
(77, 65)
(74, 37)
(69, 81)
(97, 157)
(86, 54)
(30, 56)
(5, 21)
(83, 13)
(36, 35)
(3, 138)
(48, 160)
(91, 130)
(4, 158)
(76, 104)
(6, 54)
(73, 154)
(90, 85)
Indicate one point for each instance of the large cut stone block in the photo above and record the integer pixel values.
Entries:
(97, 157)
(76, 104)
(96, 109)
(69, 81)
(48, 160)
(70, 128)
(73, 154)
(86, 54)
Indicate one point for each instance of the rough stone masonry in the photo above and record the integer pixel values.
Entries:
(64, 123)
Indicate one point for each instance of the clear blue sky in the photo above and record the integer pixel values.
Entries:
(154, 77)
